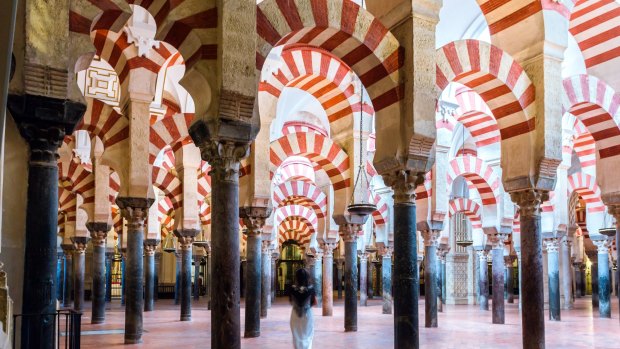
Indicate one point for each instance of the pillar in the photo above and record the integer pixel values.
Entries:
(518, 251)
(405, 279)
(553, 270)
(43, 122)
(431, 238)
(614, 210)
(350, 233)
(196, 285)
(135, 211)
(68, 275)
(79, 266)
(149, 273)
(363, 279)
(109, 259)
(533, 301)
(186, 240)
(209, 275)
(604, 283)
(442, 251)
(497, 268)
(567, 275)
(98, 234)
(318, 276)
(371, 279)
(578, 279)
(509, 260)
(328, 277)
(386, 278)
(594, 281)
(483, 281)
(177, 279)
(157, 269)
(254, 219)
(274, 275)
(265, 277)
(338, 276)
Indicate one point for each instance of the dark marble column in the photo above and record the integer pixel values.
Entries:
(98, 233)
(254, 219)
(582, 272)
(265, 295)
(363, 279)
(497, 268)
(79, 267)
(338, 276)
(442, 251)
(371, 278)
(328, 277)
(509, 260)
(578, 279)
(405, 280)
(43, 122)
(123, 274)
(594, 281)
(604, 282)
(483, 279)
(386, 278)
(109, 259)
(614, 210)
(149, 273)
(186, 239)
(196, 286)
(533, 303)
(177, 279)
(518, 252)
(430, 277)
(135, 211)
(156, 277)
(553, 270)
(68, 275)
(209, 276)
(274, 275)
(349, 233)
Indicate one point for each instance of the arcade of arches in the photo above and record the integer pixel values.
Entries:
(424, 156)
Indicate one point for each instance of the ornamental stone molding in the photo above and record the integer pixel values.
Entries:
(404, 183)
(552, 244)
(350, 231)
(134, 210)
(80, 243)
(186, 237)
(529, 201)
(431, 237)
(254, 218)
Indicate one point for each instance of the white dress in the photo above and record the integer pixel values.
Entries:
(302, 326)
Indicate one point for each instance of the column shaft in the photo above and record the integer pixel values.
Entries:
(510, 283)
(350, 282)
(177, 279)
(567, 280)
(386, 278)
(604, 283)
(108, 277)
(149, 279)
(483, 281)
(594, 283)
(99, 283)
(68, 288)
(186, 282)
(253, 286)
(430, 282)
(405, 278)
(79, 264)
(318, 278)
(265, 279)
(274, 280)
(364, 280)
(498, 284)
(553, 271)
(328, 286)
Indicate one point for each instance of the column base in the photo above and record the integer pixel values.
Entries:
(251, 334)
(351, 329)
(133, 340)
(186, 318)
(97, 321)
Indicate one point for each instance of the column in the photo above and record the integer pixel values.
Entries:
(533, 302)
(177, 279)
(328, 277)
(483, 281)
(318, 276)
(135, 211)
(149, 273)
(68, 274)
(43, 122)
(123, 273)
(442, 251)
(604, 283)
(363, 279)
(371, 279)
(109, 258)
(567, 279)
(614, 210)
(274, 275)
(196, 286)
(386, 278)
(431, 238)
(98, 234)
(509, 260)
(338, 276)
(497, 243)
(265, 277)
(79, 265)
(594, 279)
(553, 271)
(254, 219)
(186, 240)
(518, 251)
(405, 278)
(578, 279)
(349, 234)
(209, 275)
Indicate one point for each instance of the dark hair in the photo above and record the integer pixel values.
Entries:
(302, 294)
(302, 277)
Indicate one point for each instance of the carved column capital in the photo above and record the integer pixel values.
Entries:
(386, 251)
(497, 240)
(67, 249)
(614, 210)
(186, 237)
(482, 255)
(328, 249)
(266, 246)
(404, 183)
(254, 218)
(79, 244)
(98, 232)
(552, 244)
(431, 237)
(529, 201)
(150, 245)
(224, 158)
(602, 245)
(134, 210)
(363, 256)
(350, 231)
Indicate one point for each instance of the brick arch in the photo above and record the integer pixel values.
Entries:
(499, 80)
(300, 193)
(596, 105)
(78, 178)
(470, 208)
(479, 175)
(67, 203)
(380, 215)
(101, 120)
(295, 228)
(293, 172)
(169, 184)
(295, 210)
(581, 142)
(586, 186)
(342, 28)
(170, 131)
(476, 116)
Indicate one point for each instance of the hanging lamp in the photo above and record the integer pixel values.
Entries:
(609, 232)
(169, 244)
(363, 208)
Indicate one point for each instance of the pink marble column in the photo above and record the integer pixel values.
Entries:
(328, 272)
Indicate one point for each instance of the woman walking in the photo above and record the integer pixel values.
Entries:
(302, 297)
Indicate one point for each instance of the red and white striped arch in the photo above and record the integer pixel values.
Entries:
(594, 24)
(476, 116)
(499, 80)
(204, 180)
(470, 208)
(170, 131)
(115, 186)
(169, 184)
(380, 215)
(583, 144)
(79, 179)
(301, 126)
(342, 28)
(101, 120)
(204, 214)
(321, 151)
(295, 210)
(479, 175)
(297, 229)
(165, 215)
(292, 170)
(67, 203)
(300, 193)
(117, 219)
(585, 185)
(596, 105)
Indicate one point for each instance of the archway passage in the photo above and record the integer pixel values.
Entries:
(479, 175)
(300, 193)
(470, 208)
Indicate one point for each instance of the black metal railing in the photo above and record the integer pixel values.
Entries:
(64, 324)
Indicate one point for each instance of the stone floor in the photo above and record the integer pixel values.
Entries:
(460, 327)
